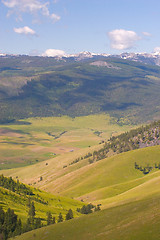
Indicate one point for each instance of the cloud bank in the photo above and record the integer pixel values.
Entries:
(122, 39)
(53, 53)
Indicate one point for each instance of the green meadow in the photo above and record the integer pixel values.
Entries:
(33, 140)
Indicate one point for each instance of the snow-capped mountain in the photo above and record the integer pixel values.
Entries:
(148, 58)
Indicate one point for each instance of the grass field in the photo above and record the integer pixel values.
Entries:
(36, 139)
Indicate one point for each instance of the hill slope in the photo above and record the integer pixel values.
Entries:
(139, 220)
(17, 198)
(36, 86)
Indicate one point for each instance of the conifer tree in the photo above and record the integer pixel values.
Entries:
(69, 215)
(53, 220)
(49, 218)
(60, 218)
(32, 211)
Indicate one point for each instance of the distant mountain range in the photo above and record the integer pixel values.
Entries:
(148, 58)
(126, 86)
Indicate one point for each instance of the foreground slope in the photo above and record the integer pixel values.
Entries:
(139, 220)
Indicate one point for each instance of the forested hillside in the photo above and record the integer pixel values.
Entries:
(144, 136)
(38, 86)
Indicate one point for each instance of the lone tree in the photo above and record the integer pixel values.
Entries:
(69, 215)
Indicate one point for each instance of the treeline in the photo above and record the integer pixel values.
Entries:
(141, 137)
(14, 186)
(146, 169)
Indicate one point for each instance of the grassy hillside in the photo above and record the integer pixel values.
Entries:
(106, 178)
(36, 139)
(100, 182)
(139, 220)
(36, 86)
(44, 202)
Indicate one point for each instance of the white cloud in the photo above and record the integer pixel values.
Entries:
(55, 17)
(26, 5)
(147, 34)
(123, 39)
(29, 6)
(53, 53)
(25, 30)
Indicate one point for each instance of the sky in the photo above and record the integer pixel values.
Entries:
(57, 27)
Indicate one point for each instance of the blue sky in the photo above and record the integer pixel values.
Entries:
(52, 27)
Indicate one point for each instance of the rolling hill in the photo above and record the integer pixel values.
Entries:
(107, 182)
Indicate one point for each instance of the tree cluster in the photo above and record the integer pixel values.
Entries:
(87, 209)
(10, 225)
(51, 220)
(146, 169)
